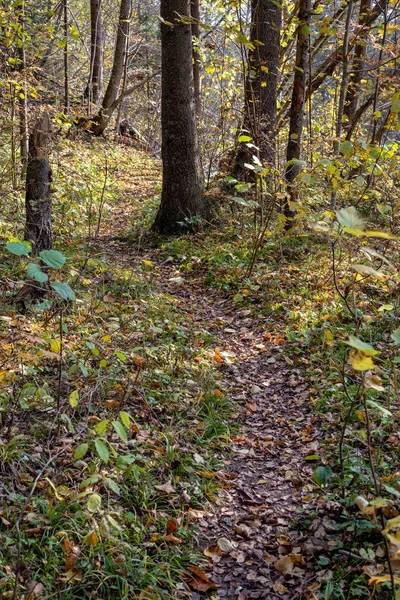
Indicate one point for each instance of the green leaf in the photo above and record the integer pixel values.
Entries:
(245, 138)
(74, 398)
(350, 217)
(36, 273)
(94, 503)
(120, 430)
(358, 344)
(101, 427)
(53, 258)
(18, 248)
(395, 107)
(312, 457)
(80, 452)
(112, 485)
(346, 147)
(396, 335)
(89, 481)
(125, 419)
(63, 290)
(121, 355)
(322, 475)
(102, 450)
(379, 407)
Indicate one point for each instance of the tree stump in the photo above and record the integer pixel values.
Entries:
(38, 227)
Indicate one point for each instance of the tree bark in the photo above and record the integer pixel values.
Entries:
(195, 14)
(261, 83)
(108, 105)
(66, 74)
(95, 85)
(182, 201)
(38, 227)
(293, 151)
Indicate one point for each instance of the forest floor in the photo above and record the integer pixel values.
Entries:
(194, 405)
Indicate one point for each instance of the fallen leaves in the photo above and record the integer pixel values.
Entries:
(286, 564)
(199, 580)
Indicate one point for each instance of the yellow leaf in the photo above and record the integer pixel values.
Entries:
(360, 416)
(74, 398)
(55, 346)
(329, 337)
(382, 579)
(92, 539)
(386, 307)
(360, 361)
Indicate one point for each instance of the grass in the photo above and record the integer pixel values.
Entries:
(130, 345)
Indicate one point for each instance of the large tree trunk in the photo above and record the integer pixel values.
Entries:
(182, 200)
(95, 85)
(293, 151)
(261, 83)
(195, 13)
(38, 228)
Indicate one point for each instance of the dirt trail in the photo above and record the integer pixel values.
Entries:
(252, 535)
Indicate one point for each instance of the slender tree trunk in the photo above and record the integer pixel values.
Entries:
(95, 85)
(109, 100)
(342, 94)
(23, 96)
(195, 13)
(38, 228)
(357, 69)
(182, 200)
(66, 75)
(293, 151)
(261, 83)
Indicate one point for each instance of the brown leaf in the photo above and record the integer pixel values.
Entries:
(166, 487)
(286, 563)
(279, 588)
(172, 526)
(172, 538)
(213, 550)
(199, 580)
(34, 589)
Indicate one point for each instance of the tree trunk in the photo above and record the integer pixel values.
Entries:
(66, 75)
(95, 85)
(109, 100)
(38, 228)
(356, 75)
(261, 83)
(293, 151)
(182, 201)
(195, 13)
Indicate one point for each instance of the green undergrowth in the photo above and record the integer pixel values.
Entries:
(114, 418)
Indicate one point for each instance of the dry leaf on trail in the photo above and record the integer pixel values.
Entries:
(72, 553)
(225, 545)
(166, 487)
(34, 589)
(286, 564)
(312, 591)
(279, 588)
(109, 298)
(213, 550)
(172, 539)
(199, 580)
(172, 526)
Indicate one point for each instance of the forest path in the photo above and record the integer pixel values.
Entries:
(255, 534)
